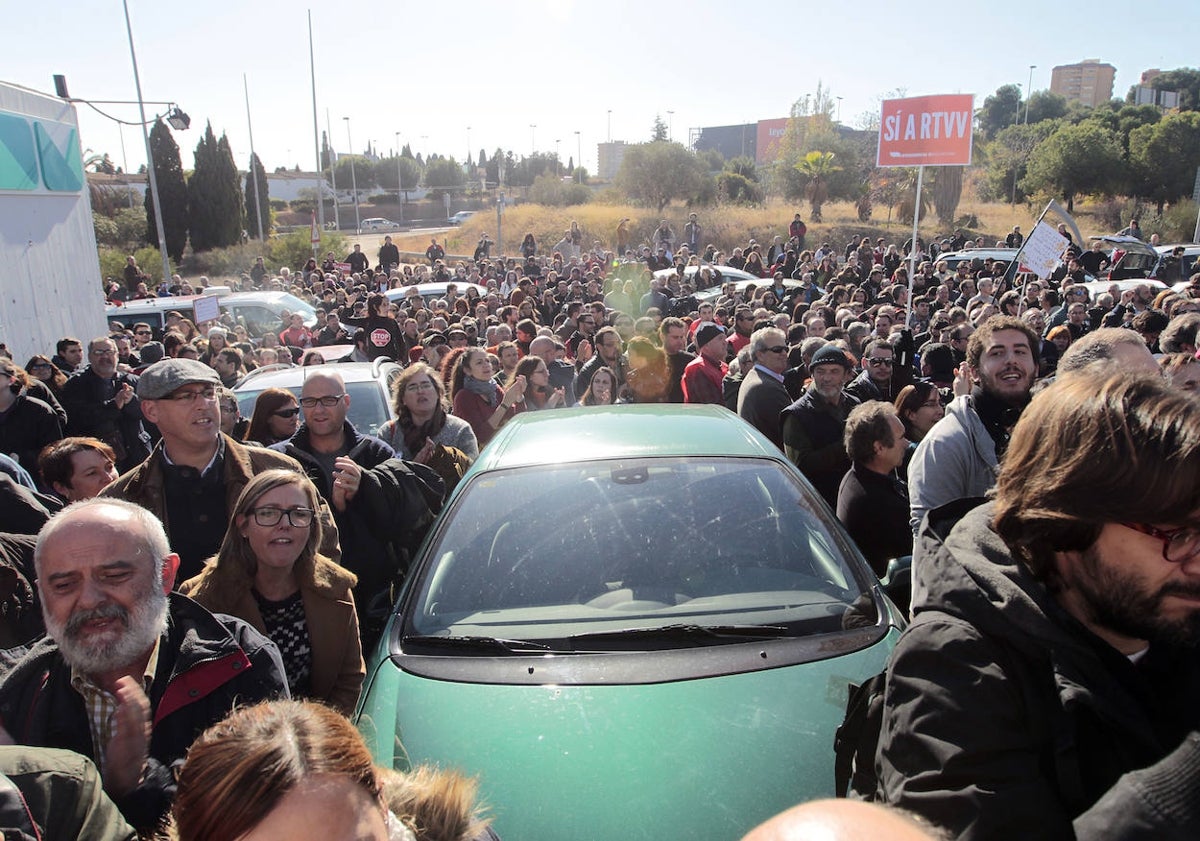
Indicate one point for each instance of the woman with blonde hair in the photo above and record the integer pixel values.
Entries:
(268, 573)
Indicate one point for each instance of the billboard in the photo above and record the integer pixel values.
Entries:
(926, 131)
(770, 135)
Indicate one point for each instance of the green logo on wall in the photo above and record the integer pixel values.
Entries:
(39, 153)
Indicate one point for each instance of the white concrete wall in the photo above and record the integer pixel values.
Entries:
(49, 272)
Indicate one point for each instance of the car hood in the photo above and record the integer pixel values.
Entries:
(697, 759)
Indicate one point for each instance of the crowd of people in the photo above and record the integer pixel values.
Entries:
(131, 479)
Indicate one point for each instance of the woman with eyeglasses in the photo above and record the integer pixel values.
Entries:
(919, 406)
(276, 417)
(422, 419)
(268, 573)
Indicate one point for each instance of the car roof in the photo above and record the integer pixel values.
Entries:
(592, 433)
(351, 372)
(973, 253)
(728, 273)
(1188, 247)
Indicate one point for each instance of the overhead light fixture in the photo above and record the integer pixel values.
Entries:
(178, 120)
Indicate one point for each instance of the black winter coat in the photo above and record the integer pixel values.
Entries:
(91, 410)
(1005, 718)
(206, 665)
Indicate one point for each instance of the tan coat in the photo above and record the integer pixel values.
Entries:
(325, 589)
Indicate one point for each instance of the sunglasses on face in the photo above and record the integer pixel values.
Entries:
(287, 413)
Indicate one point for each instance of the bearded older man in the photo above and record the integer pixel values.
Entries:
(128, 673)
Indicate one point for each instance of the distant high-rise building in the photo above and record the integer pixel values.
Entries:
(608, 158)
(1089, 82)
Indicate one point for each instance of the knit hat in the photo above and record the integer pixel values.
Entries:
(830, 354)
(706, 332)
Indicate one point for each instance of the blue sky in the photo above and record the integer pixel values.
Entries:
(431, 70)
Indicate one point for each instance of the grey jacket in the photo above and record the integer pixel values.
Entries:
(956, 459)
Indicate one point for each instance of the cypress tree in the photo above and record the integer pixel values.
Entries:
(215, 205)
(168, 173)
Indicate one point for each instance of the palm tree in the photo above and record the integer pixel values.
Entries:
(816, 167)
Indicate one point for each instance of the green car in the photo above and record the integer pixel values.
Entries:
(629, 622)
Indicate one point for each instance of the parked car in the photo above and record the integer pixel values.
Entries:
(378, 223)
(258, 312)
(1097, 288)
(1191, 253)
(728, 273)
(432, 291)
(634, 622)
(976, 256)
(461, 216)
(369, 385)
(1131, 258)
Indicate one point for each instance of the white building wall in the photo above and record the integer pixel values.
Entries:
(50, 283)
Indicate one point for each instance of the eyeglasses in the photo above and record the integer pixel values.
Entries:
(881, 360)
(287, 413)
(328, 401)
(298, 517)
(1178, 544)
(776, 349)
(205, 394)
(39, 365)
(424, 385)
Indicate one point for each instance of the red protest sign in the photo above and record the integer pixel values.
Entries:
(926, 131)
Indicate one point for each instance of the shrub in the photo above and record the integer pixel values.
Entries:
(112, 262)
(279, 205)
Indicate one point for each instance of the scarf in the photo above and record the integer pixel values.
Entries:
(486, 389)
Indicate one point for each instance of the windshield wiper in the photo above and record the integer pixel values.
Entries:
(475, 644)
(693, 635)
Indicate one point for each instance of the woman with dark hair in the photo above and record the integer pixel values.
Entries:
(77, 468)
(919, 407)
(26, 423)
(1009, 302)
(478, 400)
(276, 417)
(422, 420)
(528, 247)
(538, 394)
(754, 265)
(268, 572)
(47, 372)
(602, 391)
(301, 771)
(384, 337)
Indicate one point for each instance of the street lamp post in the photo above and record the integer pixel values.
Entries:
(610, 125)
(532, 141)
(1029, 92)
(470, 157)
(579, 157)
(254, 174)
(337, 214)
(158, 220)
(353, 177)
(839, 99)
(557, 160)
(399, 181)
(671, 126)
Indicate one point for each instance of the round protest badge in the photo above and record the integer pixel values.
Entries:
(380, 337)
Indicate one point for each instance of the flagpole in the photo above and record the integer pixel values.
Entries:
(253, 173)
(312, 70)
(1010, 273)
(912, 252)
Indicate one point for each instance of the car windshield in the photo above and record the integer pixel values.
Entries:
(596, 548)
(295, 304)
(367, 412)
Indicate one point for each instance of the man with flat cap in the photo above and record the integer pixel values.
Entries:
(194, 475)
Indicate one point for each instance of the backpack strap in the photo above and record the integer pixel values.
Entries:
(856, 739)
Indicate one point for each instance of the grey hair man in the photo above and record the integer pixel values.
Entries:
(762, 396)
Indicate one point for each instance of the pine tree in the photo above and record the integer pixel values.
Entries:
(659, 132)
(215, 202)
(257, 178)
(168, 173)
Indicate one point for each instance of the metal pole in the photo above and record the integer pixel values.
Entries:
(610, 125)
(532, 140)
(499, 223)
(671, 126)
(337, 216)
(399, 180)
(353, 177)
(312, 69)
(158, 220)
(557, 160)
(579, 157)
(912, 252)
(253, 174)
(1029, 92)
